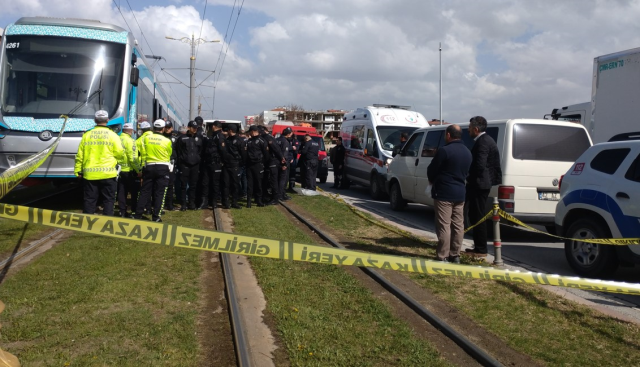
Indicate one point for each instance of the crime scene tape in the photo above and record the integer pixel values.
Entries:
(189, 238)
(393, 229)
(12, 177)
(600, 241)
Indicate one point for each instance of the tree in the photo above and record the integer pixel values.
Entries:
(294, 112)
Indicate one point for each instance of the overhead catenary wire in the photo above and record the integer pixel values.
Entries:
(201, 25)
(141, 32)
(123, 18)
(219, 71)
(226, 32)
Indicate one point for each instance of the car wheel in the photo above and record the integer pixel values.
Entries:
(375, 189)
(396, 200)
(589, 259)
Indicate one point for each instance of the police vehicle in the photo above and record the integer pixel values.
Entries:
(600, 198)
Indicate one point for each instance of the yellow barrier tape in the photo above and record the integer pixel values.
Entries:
(182, 237)
(601, 241)
(12, 177)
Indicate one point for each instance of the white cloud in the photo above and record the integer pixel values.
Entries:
(501, 58)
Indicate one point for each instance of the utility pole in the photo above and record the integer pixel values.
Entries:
(193, 42)
(440, 47)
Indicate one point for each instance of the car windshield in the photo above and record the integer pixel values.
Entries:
(549, 142)
(317, 139)
(45, 77)
(390, 135)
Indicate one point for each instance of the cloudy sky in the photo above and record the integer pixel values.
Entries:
(500, 59)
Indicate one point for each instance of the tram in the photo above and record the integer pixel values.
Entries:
(51, 66)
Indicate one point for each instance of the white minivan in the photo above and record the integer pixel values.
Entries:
(369, 135)
(534, 155)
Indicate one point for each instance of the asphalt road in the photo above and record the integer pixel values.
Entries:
(520, 249)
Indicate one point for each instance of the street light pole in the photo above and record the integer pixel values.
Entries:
(193, 42)
(440, 47)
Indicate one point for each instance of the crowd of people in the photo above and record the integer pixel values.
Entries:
(165, 170)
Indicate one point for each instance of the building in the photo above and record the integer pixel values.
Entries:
(323, 121)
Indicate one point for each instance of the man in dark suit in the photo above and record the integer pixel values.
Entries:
(447, 173)
(484, 173)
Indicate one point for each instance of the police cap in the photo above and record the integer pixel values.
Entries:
(287, 131)
(217, 123)
(192, 124)
(253, 128)
(233, 128)
(199, 120)
(159, 123)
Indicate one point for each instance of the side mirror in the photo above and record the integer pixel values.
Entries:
(368, 150)
(134, 77)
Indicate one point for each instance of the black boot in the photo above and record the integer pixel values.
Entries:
(205, 203)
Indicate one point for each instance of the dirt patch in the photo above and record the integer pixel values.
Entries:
(279, 356)
(460, 322)
(16, 263)
(213, 324)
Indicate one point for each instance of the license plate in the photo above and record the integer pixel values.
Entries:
(547, 195)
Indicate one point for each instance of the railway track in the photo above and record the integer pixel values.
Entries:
(241, 345)
(25, 199)
(473, 350)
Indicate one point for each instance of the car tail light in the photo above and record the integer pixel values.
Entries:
(560, 182)
(506, 192)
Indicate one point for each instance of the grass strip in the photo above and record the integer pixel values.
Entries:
(324, 316)
(529, 319)
(96, 301)
(15, 235)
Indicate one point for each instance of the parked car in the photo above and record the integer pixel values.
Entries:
(533, 153)
(600, 198)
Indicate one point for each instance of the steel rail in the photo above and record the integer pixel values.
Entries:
(463, 342)
(242, 347)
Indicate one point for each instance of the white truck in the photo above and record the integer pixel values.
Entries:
(613, 111)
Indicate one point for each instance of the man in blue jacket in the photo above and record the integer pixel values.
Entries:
(447, 173)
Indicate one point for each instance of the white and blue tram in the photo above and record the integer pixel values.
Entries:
(49, 67)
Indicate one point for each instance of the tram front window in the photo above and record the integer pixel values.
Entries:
(45, 77)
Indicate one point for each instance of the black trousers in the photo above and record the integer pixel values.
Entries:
(231, 185)
(189, 176)
(283, 178)
(170, 191)
(310, 174)
(337, 176)
(126, 186)
(93, 189)
(292, 173)
(212, 183)
(270, 180)
(476, 202)
(255, 172)
(155, 179)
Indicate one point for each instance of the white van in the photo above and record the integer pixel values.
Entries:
(534, 155)
(369, 135)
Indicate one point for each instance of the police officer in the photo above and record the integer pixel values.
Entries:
(283, 172)
(309, 157)
(233, 159)
(273, 162)
(99, 154)
(189, 152)
(213, 159)
(256, 153)
(145, 128)
(337, 160)
(156, 159)
(169, 134)
(128, 172)
(295, 150)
